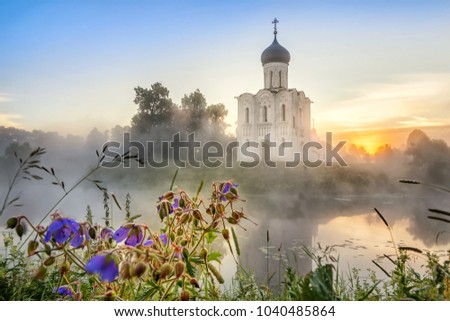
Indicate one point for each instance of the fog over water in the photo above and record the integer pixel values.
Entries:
(299, 206)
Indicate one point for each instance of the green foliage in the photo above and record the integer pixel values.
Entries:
(155, 108)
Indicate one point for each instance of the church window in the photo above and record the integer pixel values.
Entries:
(247, 114)
(280, 77)
(271, 79)
(283, 112)
(265, 114)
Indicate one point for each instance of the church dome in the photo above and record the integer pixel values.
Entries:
(275, 53)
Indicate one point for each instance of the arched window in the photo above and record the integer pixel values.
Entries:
(279, 73)
(283, 112)
(247, 116)
(265, 114)
(271, 79)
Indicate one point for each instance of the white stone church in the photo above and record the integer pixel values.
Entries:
(282, 112)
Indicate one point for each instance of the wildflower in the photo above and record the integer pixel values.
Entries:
(61, 229)
(106, 233)
(229, 191)
(131, 233)
(162, 237)
(104, 265)
(65, 291)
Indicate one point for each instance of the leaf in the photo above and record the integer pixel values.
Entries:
(15, 199)
(198, 191)
(439, 219)
(236, 242)
(210, 236)
(131, 219)
(116, 201)
(173, 179)
(438, 211)
(214, 256)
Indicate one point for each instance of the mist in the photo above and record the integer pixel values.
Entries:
(291, 204)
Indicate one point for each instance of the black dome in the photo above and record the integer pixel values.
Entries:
(275, 53)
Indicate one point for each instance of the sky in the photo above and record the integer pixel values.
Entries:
(70, 66)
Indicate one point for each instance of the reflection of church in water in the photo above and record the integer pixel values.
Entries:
(278, 110)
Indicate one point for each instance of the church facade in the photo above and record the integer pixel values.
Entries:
(276, 112)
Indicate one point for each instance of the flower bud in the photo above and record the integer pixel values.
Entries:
(32, 247)
(231, 220)
(181, 203)
(49, 261)
(194, 282)
(40, 272)
(92, 233)
(166, 270)
(236, 216)
(139, 269)
(20, 230)
(226, 234)
(203, 253)
(179, 269)
(220, 208)
(180, 232)
(110, 295)
(184, 218)
(125, 271)
(12, 222)
(156, 275)
(47, 249)
(184, 295)
(198, 215)
(185, 253)
(183, 242)
(64, 268)
(168, 196)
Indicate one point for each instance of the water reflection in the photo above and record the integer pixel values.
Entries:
(348, 224)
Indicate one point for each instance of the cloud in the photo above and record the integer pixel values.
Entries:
(10, 120)
(403, 101)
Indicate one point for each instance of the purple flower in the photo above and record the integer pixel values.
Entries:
(65, 291)
(103, 265)
(121, 234)
(61, 229)
(77, 239)
(176, 203)
(226, 189)
(149, 242)
(132, 234)
(162, 237)
(106, 233)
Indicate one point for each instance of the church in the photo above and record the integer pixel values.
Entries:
(279, 111)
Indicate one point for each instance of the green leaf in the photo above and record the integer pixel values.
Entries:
(210, 237)
(214, 256)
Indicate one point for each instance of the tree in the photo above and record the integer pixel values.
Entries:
(216, 115)
(155, 108)
(194, 107)
(430, 157)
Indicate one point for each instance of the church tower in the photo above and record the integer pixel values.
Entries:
(277, 110)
